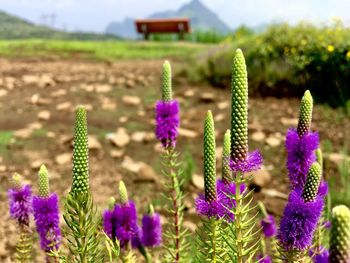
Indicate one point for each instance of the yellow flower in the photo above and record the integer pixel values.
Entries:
(330, 48)
(348, 55)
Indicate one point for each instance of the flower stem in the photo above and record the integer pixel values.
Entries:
(213, 237)
(238, 218)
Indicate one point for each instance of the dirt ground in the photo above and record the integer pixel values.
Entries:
(37, 100)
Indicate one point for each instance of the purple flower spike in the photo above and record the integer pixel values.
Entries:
(264, 259)
(46, 216)
(300, 151)
(321, 257)
(151, 230)
(226, 193)
(209, 209)
(167, 122)
(110, 223)
(253, 162)
(268, 225)
(126, 226)
(299, 221)
(20, 202)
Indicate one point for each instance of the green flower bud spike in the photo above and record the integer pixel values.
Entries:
(166, 82)
(226, 170)
(340, 235)
(209, 158)
(239, 112)
(319, 157)
(150, 209)
(305, 114)
(123, 193)
(80, 153)
(312, 182)
(17, 181)
(44, 190)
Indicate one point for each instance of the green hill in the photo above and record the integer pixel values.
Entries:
(12, 27)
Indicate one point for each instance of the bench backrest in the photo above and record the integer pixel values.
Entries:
(173, 25)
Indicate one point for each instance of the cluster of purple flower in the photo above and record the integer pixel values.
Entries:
(121, 223)
(44, 209)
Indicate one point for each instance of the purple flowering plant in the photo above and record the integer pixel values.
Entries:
(231, 228)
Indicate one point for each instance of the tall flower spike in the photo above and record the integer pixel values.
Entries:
(305, 114)
(226, 171)
(80, 153)
(319, 157)
(340, 235)
(166, 82)
(209, 159)
(124, 199)
(312, 183)
(239, 117)
(44, 189)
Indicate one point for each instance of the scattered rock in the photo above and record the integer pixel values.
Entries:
(187, 133)
(94, 144)
(123, 119)
(130, 83)
(219, 117)
(44, 115)
(146, 174)
(190, 226)
(141, 113)
(59, 93)
(273, 141)
(36, 164)
(262, 177)
(158, 148)
(138, 136)
(189, 93)
(108, 104)
(198, 181)
(63, 158)
(207, 97)
(258, 136)
(121, 138)
(51, 135)
(223, 105)
(131, 100)
(3, 92)
(23, 133)
(64, 106)
(45, 81)
(130, 165)
(88, 107)
(3, 168)
(103, 88)
(337, 158)
(273, 193)
(30, 79)
(116, 153)
(289, 121)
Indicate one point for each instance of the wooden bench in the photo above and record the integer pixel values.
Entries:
(163, 26)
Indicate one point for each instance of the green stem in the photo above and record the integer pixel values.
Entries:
(238, 227)
(174, 196)
(213, 237)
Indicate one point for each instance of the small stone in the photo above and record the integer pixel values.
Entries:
(121, 138)
(190, 225)
(187, 133)
(146, 174)
(3, 168)
(258, 136)
(207, 97)
(337, 158)
(36, 164)
(198, 181)
(289, 121)
(51, 135)
(46, 81)
(23, 133)
(189, 93)
(273, 141)
(34, 98)
(103, 88)
(131, 100)
(138, 136)
(44, 115)
(88, 107)
(130, 165)
(158, 148)
(123, 119)
(261, 177)
(64, 106)
(130, 83)
(223, 105)
(3, 92)
(141, 113)
(59, 93)
(63, 158)
(219, 117)
(94, 144)
(30, 79)
(116, 153)
(35, 125)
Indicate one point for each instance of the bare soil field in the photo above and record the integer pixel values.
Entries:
(37, 102)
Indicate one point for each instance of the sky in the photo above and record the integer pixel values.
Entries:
(94, 15)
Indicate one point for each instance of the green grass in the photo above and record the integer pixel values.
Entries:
(98, 50)
(5, 137)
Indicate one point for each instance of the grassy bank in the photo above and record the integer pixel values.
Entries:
(98, 50)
